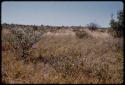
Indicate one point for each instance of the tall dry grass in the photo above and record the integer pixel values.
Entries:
(64, 58)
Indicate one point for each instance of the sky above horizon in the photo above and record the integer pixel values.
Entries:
(58, 13)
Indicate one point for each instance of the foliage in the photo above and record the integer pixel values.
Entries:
(93, 26)
(117, 25)
(81, 34)
(61, 59)
(35, 28)
(25, 39)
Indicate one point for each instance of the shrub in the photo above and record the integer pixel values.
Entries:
(25, 39)
(117, 26)
(81, 34)
(35, 28)
(93, 26)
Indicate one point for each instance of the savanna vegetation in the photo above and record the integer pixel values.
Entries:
(61, 55)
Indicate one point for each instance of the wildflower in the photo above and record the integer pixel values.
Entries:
(34, 46)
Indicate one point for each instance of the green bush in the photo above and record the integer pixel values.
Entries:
(81, 34)
(117, 25)
(25, 39)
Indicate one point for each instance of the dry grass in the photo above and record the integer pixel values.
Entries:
(63, 58)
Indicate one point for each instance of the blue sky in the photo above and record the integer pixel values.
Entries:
(60, 13)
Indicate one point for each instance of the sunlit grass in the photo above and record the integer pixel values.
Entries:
(64, 59)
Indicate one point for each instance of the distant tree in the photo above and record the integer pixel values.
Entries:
(92, 26)
(4, 25)
(42, 25)
(117, 25)
(35, 27)
(58, 27)
(120, 18)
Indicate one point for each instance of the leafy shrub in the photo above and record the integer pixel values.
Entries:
(93, 26)
(81, 34)
(25, 39)
(35, 28)
(117, 26)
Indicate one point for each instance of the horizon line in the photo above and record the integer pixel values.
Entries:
(53, 25)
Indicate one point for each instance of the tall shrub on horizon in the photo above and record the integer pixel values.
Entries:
(117, 25)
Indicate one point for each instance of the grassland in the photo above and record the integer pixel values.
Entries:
(61, 56)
